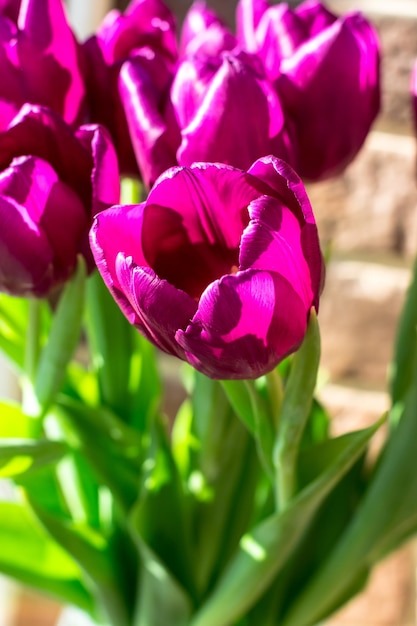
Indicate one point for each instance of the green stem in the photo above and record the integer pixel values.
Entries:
(295, 412)
(131, 191)
(32, 346)
(275, 394)
(264, 434)
(30, 402)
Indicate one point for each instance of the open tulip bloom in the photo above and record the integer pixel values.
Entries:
(229, 502)
(219, 266)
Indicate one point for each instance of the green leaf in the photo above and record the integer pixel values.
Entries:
(20, 456)
(99, 436)
(266, 549)
(250, 405)
(90, 550)
(14, 423)
(110, 338)
(161, 599)
(296, 407)
(63, 339)
(240, 399)
(404, 362)
(145, 386)
(387, 515)
(13, 323)
(185, 444)
(159, 517)
(29, 555)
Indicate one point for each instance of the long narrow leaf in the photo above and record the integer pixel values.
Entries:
(265, 550)
(28, 554)
(63, 339)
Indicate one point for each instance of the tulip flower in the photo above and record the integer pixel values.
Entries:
(10, 8)
(220, 109)
(144, 32)
(204, 31)
(219, 266)
(40, 61)
(325, 71)
(52, 181)
(413, 88)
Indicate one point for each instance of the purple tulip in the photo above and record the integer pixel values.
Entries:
(40, 62)
(219, 267)
(144, 32)
(52, 181)
(10, 9)
(326, 73)
(204, 32)
(220, 109)
(413, 88)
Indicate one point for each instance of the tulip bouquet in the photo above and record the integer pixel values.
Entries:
(153, 214)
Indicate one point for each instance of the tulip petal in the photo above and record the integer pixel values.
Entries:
(193, 223)
(272, 242)
(287, 185)
(248, 16)
(104, 174)
(30, 271)
(154, 142)
(331, 123)
(48, 240)
(211, 201)
(204, 32)
(50, 58)
(119, 224)
(245, 324)
(10, 9)
(161, 308)
(39, 132)
(198, 18)
(215, 132)
(278, 35)
(315, 16)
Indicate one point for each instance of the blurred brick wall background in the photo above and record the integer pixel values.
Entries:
(369, 216)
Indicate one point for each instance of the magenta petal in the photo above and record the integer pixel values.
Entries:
(288, 187)
(413, 89)
(209, 199)
(219, 130)
(279, 34)
(191, 81)
(154, 142)
(245, 324)
(212, 41)
(39, 132)
(10, 8)
(315, 16)
(332, 124)
(114, 230)
(203, 32)
(105, 179)
(29, 270)
(198, 18)
(43, 222)
(273, 242)
(155, 22)
(248, 16)
(161, 308)
(50, 58)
